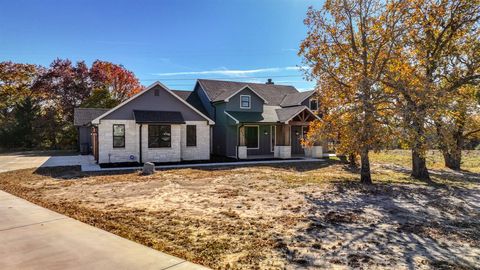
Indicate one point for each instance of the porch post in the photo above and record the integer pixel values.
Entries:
(283, 148)
(241, 148)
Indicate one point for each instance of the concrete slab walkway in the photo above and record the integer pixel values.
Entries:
(204, 165)
(33, 237)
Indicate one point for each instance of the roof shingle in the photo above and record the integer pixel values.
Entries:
(272, 93)
(83, 116)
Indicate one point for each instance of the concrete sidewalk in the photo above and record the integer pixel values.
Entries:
(33, 237)
(97, 168)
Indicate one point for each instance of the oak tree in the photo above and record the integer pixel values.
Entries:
(348, 46)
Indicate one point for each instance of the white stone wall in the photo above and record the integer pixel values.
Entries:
(283, 152)
(177, 152)
(202, 150)
(163, 154)
(108, 154)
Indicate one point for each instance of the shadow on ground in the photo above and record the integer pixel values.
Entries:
(387, 226)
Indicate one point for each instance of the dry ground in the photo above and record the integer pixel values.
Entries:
(290, 216)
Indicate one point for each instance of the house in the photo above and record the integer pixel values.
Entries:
(233, 119)
(155, 125)
(258, 119)
(82, 120)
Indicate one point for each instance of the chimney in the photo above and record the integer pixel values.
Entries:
(269, 81)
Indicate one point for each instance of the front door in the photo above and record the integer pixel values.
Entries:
(296, 136)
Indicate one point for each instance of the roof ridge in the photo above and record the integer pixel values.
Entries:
(258, 83)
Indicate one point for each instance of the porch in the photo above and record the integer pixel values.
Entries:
(280, 140)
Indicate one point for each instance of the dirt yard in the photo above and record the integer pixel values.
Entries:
(291, 216)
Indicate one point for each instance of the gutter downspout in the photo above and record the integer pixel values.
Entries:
(140, 145)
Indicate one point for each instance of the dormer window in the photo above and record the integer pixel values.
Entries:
(245, 101)
(313, 104)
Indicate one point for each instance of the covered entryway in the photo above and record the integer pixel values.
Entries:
(297, 134)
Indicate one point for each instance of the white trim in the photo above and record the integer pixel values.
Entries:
(249, 102)
(310, 103)
(305, 108)
(246, 86)
(258, 136)
(233, 118)
(97, 120)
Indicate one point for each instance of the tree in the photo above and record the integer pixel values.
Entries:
(457, 121)
(437, 56)
(100, 98)
(17, 102)
(348, 46)
(65, 85)
(121, 82)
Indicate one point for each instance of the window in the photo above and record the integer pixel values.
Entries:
(156, 92)
(159, 136)
(313, 104)
(191, 135)
(251, 136)
(118, 136)
(245, 102)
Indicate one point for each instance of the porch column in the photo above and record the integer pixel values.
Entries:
(241, 148)
(282, 147)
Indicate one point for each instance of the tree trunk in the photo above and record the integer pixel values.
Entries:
(451, 142)
(352, 161)
(419, 163)
(365, 176)
(453, 159)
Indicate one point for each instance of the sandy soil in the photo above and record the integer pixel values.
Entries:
(299, 216)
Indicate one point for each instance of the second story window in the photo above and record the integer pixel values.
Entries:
(313, 104)
(245, 102)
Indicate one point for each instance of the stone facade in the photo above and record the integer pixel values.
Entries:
(202, 150)
(163, 154)
(242, 152)
(130, 153)
(106, 152)
(283, 152)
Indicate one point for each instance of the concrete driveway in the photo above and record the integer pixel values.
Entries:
(25, 160)
(33, 237)
(17, 161)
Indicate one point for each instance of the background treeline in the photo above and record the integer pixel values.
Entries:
(396, 72)
(37, 103)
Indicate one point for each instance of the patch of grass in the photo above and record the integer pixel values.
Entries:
(470, 159)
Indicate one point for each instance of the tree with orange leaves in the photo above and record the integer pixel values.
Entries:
(437, 58)
(348, 47)
(120, 82)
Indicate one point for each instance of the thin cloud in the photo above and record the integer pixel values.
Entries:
(229, 72)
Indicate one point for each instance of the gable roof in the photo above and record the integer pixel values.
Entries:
(192, 98)
(229, 95)
(97, 120)
(296, 99)
(83, 116)
(273, 94)
(286, 114)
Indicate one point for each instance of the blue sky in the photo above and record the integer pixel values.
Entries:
(171, 41)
